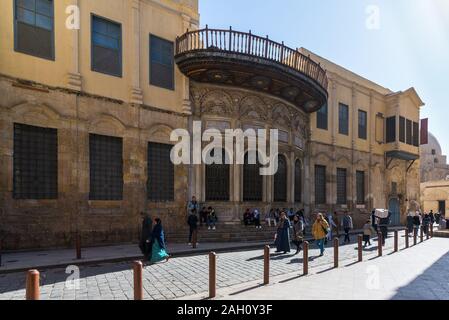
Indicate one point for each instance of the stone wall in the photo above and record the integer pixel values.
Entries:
(51, 223)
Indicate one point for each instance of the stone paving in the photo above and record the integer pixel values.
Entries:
(180, 277)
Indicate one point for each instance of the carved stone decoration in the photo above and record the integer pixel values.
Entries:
(217, 102)
(281, 115)
(253, 108)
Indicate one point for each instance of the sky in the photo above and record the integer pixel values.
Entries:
(396, 43)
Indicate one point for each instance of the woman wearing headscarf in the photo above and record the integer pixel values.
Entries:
(145, 236)
(159, 251)
(283, 234)
(298, 236)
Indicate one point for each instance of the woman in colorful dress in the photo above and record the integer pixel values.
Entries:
(159, 251)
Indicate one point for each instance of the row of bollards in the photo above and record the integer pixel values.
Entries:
(32, 281)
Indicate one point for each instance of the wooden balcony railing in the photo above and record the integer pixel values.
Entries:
(231, 41)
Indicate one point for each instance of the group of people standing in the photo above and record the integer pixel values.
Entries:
(322, 230)
(152, 240)
(422, 220)
(207, 216)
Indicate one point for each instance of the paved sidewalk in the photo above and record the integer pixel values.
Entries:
(46, 259)
(418, 273)
(21, 261)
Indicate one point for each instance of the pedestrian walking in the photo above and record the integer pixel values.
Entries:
(374, 220)
(337, 224)
(426, 222)
(192, 222)
(409, 223)
(383, 226)
(332, 226)
(193, 205)
(257, 219)
(298, 236)
(320, 229)
(282, 241)
(416, 222)
(347, 227)
(159, 250)
(145, 236)
(367, 233)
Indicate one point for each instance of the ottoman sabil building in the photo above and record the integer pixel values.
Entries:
(86, 116)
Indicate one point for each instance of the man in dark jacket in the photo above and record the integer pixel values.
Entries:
(383, 226)
(192, 221)
(145, 236)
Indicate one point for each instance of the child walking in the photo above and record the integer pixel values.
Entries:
(367, 233)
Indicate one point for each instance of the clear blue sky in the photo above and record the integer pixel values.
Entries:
(410, 47)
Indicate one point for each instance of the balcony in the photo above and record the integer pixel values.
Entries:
(244, 60)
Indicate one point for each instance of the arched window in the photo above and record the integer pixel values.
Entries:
(280, 181)
(217, 179)
(252, 181)
(298, 182)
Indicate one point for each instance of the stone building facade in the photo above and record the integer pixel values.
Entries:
(86, 152)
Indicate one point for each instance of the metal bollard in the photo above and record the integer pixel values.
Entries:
(406, 239)
(336, 247)
(421, 235)
(396, 241)
(78, 246)
(360, 247)
(32, 285)
(379, 244)
(305, 262)
(138, 288)
(266, 265)
(415, 236)
(212, 275)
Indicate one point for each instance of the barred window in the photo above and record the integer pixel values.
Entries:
(402, 129)
(320, 184)
(360, 184)
(409, 133)
(341, 186)
(322, 118)
(217, 179)
(298, 182)
(106, 46)
(363, 125)
(343, 119)
(35, 162)
(161, 63)
(161, 173)
(106, 167)
(34, 28)
(280, 180)
(252, 181)
(390, 129)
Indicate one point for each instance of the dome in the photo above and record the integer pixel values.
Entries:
(432, 145)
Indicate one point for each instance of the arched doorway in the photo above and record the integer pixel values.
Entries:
(393, 207)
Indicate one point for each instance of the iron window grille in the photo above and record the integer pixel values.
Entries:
(252, 181)
(320, 184)
(34, 28)
(341, 186)
(35, 162)
(217, 180)
(161, 63)
(360, 183)
(161, 173)
(106, 46)
(106, 167)
(280, 181)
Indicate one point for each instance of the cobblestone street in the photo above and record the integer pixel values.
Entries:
(178, 278)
